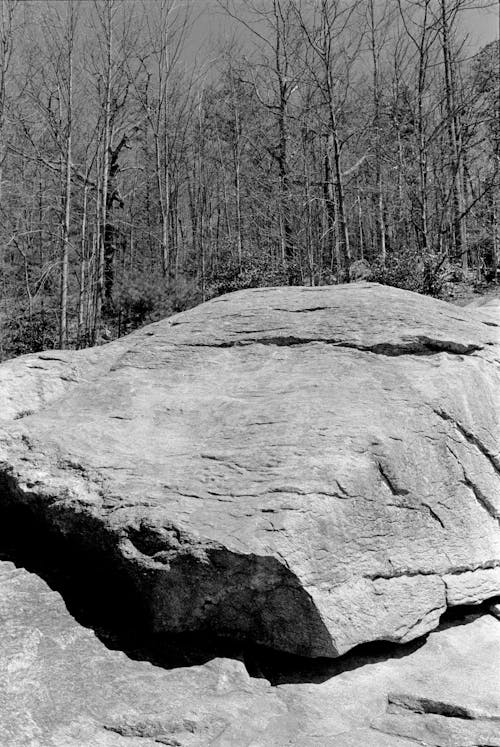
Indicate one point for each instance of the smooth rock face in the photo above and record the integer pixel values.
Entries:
(310, 469)
(61, 687)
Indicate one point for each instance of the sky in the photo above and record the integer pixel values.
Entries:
(482, 26)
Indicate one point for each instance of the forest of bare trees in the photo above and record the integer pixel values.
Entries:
(316, 141)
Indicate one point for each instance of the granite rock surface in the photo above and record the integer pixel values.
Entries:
(306, 468)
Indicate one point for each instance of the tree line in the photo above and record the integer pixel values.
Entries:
(316, 142)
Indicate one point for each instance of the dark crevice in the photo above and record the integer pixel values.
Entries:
(453, 571)
(23, 414)
(434, 515)
(470, 438)
(47, 357)
(395, 489)
(305, 310)
(462, 614)
(421, 346)
(481, 498)
(280, 668)
(401, 702)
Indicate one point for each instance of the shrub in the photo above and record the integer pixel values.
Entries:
(255, 272)
(24, 333)
(147, 301)
(408, 270)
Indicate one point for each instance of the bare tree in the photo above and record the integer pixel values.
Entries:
(422, 32)
(8, 13)
(161, 101)
(326, 30)
(117, 32)
(66, 94)
(378, 28)
(274, 80)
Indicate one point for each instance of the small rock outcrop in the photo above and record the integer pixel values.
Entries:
(308, 469)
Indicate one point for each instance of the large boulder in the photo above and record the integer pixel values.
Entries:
(307, 468)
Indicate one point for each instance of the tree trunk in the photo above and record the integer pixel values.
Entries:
(459, 219)
(104, 236)
(376, 130)
(83, 273)
(63, 321)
